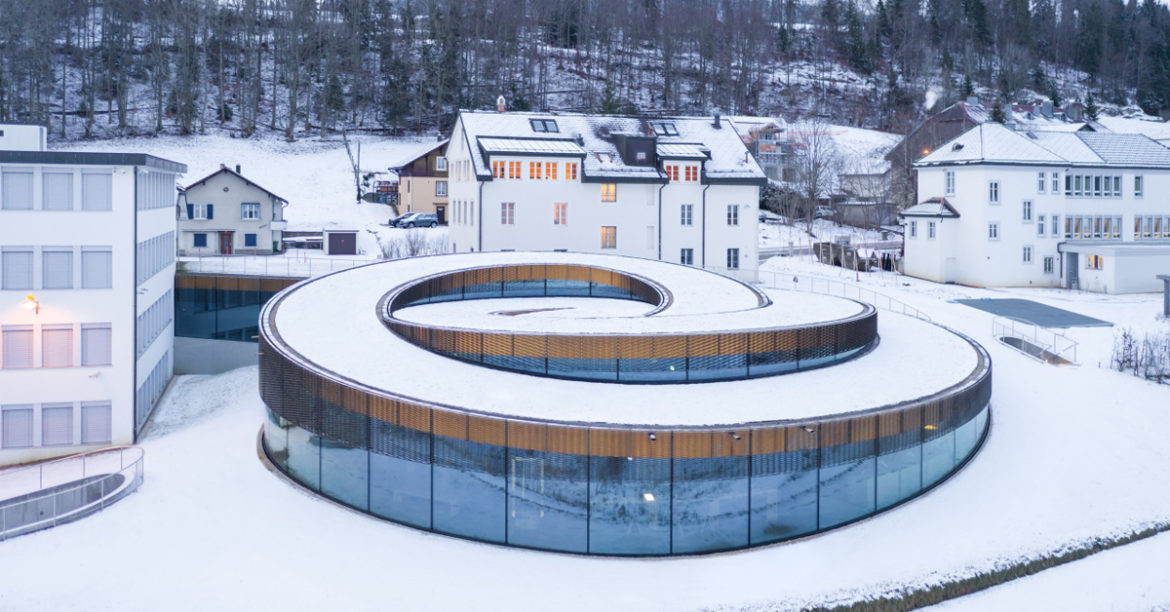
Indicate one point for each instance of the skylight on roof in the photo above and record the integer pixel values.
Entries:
(664, 128)
(544, 125)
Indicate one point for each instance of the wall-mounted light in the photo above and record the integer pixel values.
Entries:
(648, 496)
(31, 303)
(653, 437)
(809, 429)
(734, 436)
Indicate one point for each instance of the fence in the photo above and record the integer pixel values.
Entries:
(288, 266)
(1049, 346)
(54, 492)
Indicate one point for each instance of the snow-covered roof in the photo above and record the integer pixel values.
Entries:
(1150, 126)
(420, 154)
(247, 181)
(537, 146)
(682, 150)
(725, 156)
(995, 143)
(934, 207)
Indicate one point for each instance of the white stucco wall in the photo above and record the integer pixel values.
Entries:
(227, 216)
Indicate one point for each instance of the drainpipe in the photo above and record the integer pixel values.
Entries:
(134, 320)
(660, 187)
(703, 230)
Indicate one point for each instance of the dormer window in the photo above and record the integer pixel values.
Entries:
(544, 125)
(664, 128)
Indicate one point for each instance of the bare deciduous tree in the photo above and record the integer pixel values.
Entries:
(817, 163)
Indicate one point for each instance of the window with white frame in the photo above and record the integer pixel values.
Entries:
(250, 211)
(609, 192)
(733, 214)
(1055, 225)
(913, 229)
(1049, 265)
(96, 191)
(57, 346)
(1137, 186)
(993, 192)
(1041, 182)
(687, 257)
(95, 422)
(949, 179)
(1055, 182)
(609, 236)
(1094, 262)
(96, 267)
(16, 268)
(200, 212)
(1040, 225)
(732, 259)
(57, 268)
(16, 423)
(17, 191)
(440, 163)
(687, 214)
(1027, 211)
(95, 344)
(930, 225)
(56, 424)
(560, 213)
(1027, 254)
(993, 231)
(507, 213)
(17, 346)
(441, 188)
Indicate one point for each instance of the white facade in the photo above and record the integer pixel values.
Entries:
(515, 189)
(20, 137)
(91, 237)
(1086, 211)
(225, 214)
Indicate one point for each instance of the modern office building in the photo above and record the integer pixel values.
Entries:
(225, 213)
(87, 248)
(680, 189)
(1010, 208)
(688, 413)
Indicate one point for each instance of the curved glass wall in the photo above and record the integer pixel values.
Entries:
(610, 490)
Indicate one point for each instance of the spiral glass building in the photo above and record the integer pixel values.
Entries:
(587, 404)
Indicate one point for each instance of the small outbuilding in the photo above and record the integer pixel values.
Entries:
(340, 242)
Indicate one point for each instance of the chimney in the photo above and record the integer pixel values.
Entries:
(716, 124)
(238, 169)
(501, 104)
(580, 140)
(1046, 109)
(972, 100)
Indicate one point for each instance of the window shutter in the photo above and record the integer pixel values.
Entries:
(57, 269)
(17, 269)
(96, 269)
(95, 422)
(95, 192)
(210, 212)
(56, 424)
(58, 191)
(95, 344)
(17, 423)
(57, 346)
(18, 191)
(190, 211)
(18, 347)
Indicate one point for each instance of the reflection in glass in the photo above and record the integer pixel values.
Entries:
(847, 483)
(304, 457)
(400, 474)
(710, 504)
(938, 457)
(276, 438)
(548, 503)
(899, 468)
(469, 489)
(629, 502)
(784, 495)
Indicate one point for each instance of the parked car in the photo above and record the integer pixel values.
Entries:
(415, 219)
(823, 211)
(767, 216)
(393, 221)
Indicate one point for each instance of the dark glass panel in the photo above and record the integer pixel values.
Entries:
(784, 495)
(710, 504)
(629, 503)
(400, 473)
(548, 503)
(469, 489)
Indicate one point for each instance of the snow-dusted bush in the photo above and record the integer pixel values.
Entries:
(1147, 357)
(411, 243)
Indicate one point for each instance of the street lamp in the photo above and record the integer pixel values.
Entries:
(31, 303)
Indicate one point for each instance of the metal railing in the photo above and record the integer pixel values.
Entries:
(46, 494)
(268, 265)
(1046, 340)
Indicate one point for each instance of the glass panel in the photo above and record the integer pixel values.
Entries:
(784, 495)
(469, 489)
(653, 369)
(847, 482)
(629, 502)
(304, 457)
(938, 457)
(899, 468)
(276, 439)
(344, 459)
(548, 500)
(710, 504)
(593, 369)
(716, 367)
(400, 473)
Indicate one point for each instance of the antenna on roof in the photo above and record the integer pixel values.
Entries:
(501, 104)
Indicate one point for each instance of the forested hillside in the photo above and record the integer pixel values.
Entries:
(99, 67)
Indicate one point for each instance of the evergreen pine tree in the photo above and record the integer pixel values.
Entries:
(609, 104)
(997, 114)
(1091, 108)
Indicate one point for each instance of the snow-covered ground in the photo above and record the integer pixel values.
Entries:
(1073, 453)
(773, 235)
(313, 174)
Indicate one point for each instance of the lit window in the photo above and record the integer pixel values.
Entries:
(507, 213)
(1094, 262)
(609, 192)
(550, 170)
(560, 213)
(514, 170)
(570, 171)
(609, 236)
(498, 169)
(534, 170)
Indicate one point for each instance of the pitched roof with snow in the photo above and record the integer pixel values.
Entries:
(592, 139)
(994, 143)
(934, 207)
(237, 175)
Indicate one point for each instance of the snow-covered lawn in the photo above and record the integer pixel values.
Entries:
(823, 230)
(1073, 453)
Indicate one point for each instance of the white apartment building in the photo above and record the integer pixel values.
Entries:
(1005, 208)
(87, 246)
(224, 213)
(681, 189)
